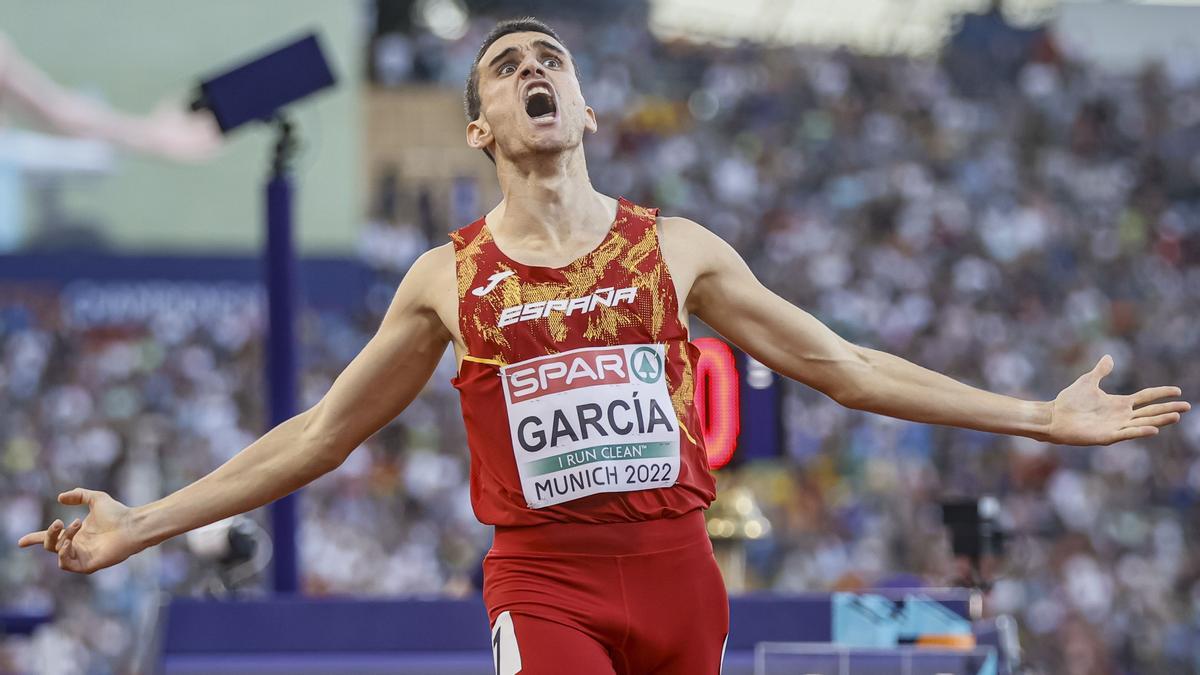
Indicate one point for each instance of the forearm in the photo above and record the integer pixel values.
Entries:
(61, 110)
(898, 388)
(76, 115)
(282, 461)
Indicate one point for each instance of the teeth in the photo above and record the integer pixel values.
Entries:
(537, 89)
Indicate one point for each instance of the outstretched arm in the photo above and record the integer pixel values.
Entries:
(728, 297)
(379, 383)
(169, 131)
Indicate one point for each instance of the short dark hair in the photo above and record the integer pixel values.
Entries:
(525, 24)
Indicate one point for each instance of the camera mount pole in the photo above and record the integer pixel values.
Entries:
(281, 336)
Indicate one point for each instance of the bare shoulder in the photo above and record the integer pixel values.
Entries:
(678, 226)
(681, 235)
(432, 275)
(436, 263)
(691, 251)
(431, 287)
(690, 245)
(699, 260)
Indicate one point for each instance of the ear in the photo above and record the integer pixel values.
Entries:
(479, 133)
(589, 119)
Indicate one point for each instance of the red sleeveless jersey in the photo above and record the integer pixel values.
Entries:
(577, 387)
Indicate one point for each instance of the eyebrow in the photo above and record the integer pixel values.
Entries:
(544, 44)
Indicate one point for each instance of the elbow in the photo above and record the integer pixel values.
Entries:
(854, 381)
(320, 441)
(853, 397)
(324, 460)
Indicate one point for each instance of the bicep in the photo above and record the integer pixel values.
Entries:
(728, 297)
(387, 374)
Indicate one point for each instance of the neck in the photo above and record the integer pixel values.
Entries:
(547, 196)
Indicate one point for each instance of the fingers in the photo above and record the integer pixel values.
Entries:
(1129, 433)
(59, 540)
(78, 496)
(32, 539)
(1158, 420)
(1154, 393)
(52, 534)
(68, 535)
(52, 537)
(67, 560)
(63, 552)
(57, 537)
(1103, 367)
(1162, 408)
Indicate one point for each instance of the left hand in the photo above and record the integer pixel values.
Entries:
(1082, 414)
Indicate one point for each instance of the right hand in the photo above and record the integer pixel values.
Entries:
(103, 538)
(181, 135)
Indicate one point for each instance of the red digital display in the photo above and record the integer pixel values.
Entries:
(717, 400)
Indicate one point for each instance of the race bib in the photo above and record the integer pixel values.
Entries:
(591, 420)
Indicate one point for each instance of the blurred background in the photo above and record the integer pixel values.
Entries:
(1001, 192)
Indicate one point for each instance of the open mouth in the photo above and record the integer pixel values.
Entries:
(540, 103)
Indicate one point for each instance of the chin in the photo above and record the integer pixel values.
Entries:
(546, 140)
(548, 144)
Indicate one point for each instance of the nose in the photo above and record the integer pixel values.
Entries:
(530, 67)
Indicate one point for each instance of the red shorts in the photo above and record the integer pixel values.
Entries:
(586, 599)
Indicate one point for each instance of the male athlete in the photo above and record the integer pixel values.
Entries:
(568, 314)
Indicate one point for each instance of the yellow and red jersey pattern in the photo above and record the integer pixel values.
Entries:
(513, 315)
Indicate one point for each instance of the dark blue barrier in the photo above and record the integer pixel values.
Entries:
(325, 625)
(347, 624)
(21, 623)
(324, 281)
(428, 636)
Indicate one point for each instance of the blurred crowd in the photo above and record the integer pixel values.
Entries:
(140, 389)
(1007, 235)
